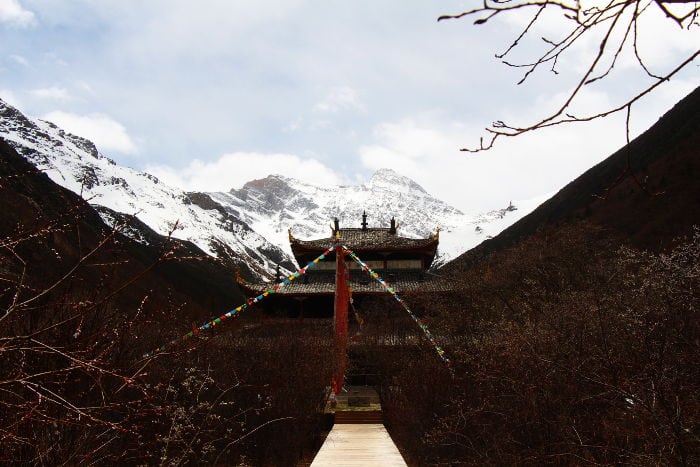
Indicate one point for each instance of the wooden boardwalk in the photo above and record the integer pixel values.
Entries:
(358, 437)
(358, 445)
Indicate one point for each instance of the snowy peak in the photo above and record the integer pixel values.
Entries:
(76, 164)
(274, 204)
(387, 179)
(34, 130)
(247, 227)
(271, 182)
(274, 193)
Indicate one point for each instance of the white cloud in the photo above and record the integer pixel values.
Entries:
(588, 102)
(12, 12)
(426, 149)
(339, 99)
(234, 169)
(105, 132)
(662, 55)
(54, 92)
(85, 87)
(661, 43)
(11, 98)
(178, 28)
(416, 138)
(52, 57)
(204, 78)
(19, 59)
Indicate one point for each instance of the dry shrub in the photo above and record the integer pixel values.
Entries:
(572, 351)
(77, 313)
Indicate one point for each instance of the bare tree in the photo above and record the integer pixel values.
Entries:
(618, 24)
(80, 303)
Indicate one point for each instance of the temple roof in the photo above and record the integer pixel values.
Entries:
(369, 239)
(324, 284)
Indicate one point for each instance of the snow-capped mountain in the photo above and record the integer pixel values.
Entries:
(274, 204)
(76, 164)
(247, 226)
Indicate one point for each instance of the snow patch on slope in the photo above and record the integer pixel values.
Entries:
(76, 164)
(250, 225)
(274, 204)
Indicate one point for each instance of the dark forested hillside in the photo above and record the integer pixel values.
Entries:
(80, 304)
(574, 334)
(55, 228)
(566, 350)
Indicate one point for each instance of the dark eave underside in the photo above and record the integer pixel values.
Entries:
(324, 284)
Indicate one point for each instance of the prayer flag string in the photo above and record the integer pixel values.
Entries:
(236, 311)
(392, 291)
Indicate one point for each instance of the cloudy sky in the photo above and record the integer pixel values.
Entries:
(213, 93)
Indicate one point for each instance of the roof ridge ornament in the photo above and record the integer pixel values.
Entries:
(291, 237)
(278, 274)
(436, 236)
(335, 229)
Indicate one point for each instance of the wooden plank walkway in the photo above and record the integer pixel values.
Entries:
(358, 445)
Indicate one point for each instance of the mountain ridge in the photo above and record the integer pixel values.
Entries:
(276, 203)
(76, 164)
(54, 230)
(246, 227)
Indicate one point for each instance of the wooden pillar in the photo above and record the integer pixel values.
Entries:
(340, 315)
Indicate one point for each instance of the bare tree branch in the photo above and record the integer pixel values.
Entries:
(620, 18)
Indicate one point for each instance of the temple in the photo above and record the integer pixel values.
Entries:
(403, 262)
